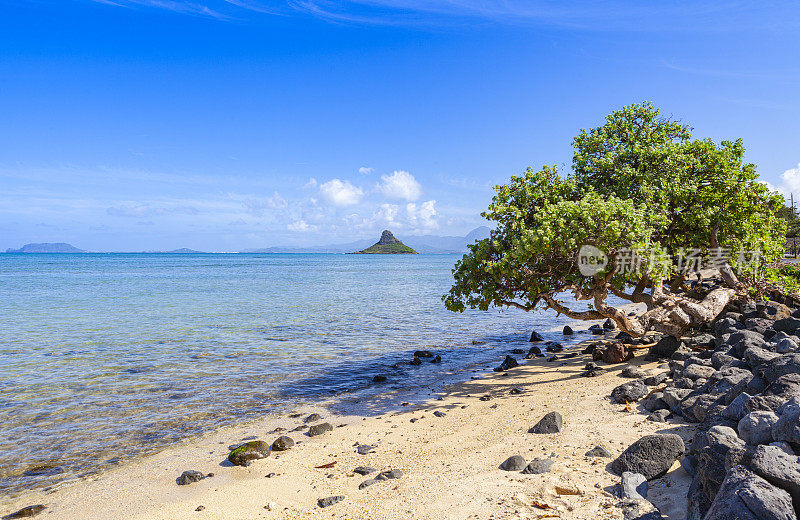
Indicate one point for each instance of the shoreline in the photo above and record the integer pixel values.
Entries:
(463, 448)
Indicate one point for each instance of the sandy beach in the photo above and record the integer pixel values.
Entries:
(450, 463)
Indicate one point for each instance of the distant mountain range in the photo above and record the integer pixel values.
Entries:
(425, 244)
(47, 247)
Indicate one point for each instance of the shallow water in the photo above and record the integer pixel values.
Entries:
(104, 357)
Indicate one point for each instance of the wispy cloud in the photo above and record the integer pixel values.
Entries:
(584, 14)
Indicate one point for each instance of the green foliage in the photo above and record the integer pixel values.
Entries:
(388, 249)
(785, 277)
(640, 182)
(792, 220)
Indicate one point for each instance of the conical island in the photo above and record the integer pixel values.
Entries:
(387, 245)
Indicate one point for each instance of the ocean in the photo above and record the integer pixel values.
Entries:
(107, 357)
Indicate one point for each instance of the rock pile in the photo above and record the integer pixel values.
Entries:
(742, 385)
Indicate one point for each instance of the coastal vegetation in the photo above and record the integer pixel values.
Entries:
(655, 202)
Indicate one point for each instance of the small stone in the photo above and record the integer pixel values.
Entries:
(27, 512)
(508, 362)
(364, 470)
(200, 508)
(379, 379)
(389, 474)
(609, 324)
(538, 466)
(656, 379)
(659, 416)
(282, 443)
(329, 501)
(598, 451)
(515, 391)
(416, 361)
(437, 359)
(513, 463)
(597, 371)
(364, 449)
(437, 413)
(319, 429)
(535, 336)
(568, 330)
(633, 373)
(368, 483)
(312, 418)
(190, 477)
(423, 354)
(550, 423)
(634, 486)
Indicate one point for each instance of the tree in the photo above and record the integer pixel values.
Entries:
(645, 193)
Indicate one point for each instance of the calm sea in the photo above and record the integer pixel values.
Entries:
(105, 357)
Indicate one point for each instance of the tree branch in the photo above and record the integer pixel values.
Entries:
(552, 303)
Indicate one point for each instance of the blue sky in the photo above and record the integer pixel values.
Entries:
(231, 124)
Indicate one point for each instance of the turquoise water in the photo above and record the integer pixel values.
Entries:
(104, 357)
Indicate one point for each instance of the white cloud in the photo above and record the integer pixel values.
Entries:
(790, 183)
(424, 215)
(791, 180)
(387, 213)
(400, 185)
(364, 170)
(341, 193)
(312, 183)
(137, 210)
(301, 226)
(276, 201)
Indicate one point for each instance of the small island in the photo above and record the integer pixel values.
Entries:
(47, 247)
(387, 245)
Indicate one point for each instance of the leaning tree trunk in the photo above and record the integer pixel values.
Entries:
(674, 315)
(669, 314)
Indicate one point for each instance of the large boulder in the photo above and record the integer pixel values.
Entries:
(780, 366)
(746, 496)
(736, 410)
(665, 347)
(756, 427)
(744, 339)
(674, 396)
(787, 325)
(652, 455)
(757, 356)
(787, 428)
(629, 392)
(785, 387)
(779, 469)
(696, 371)
(720, 445)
